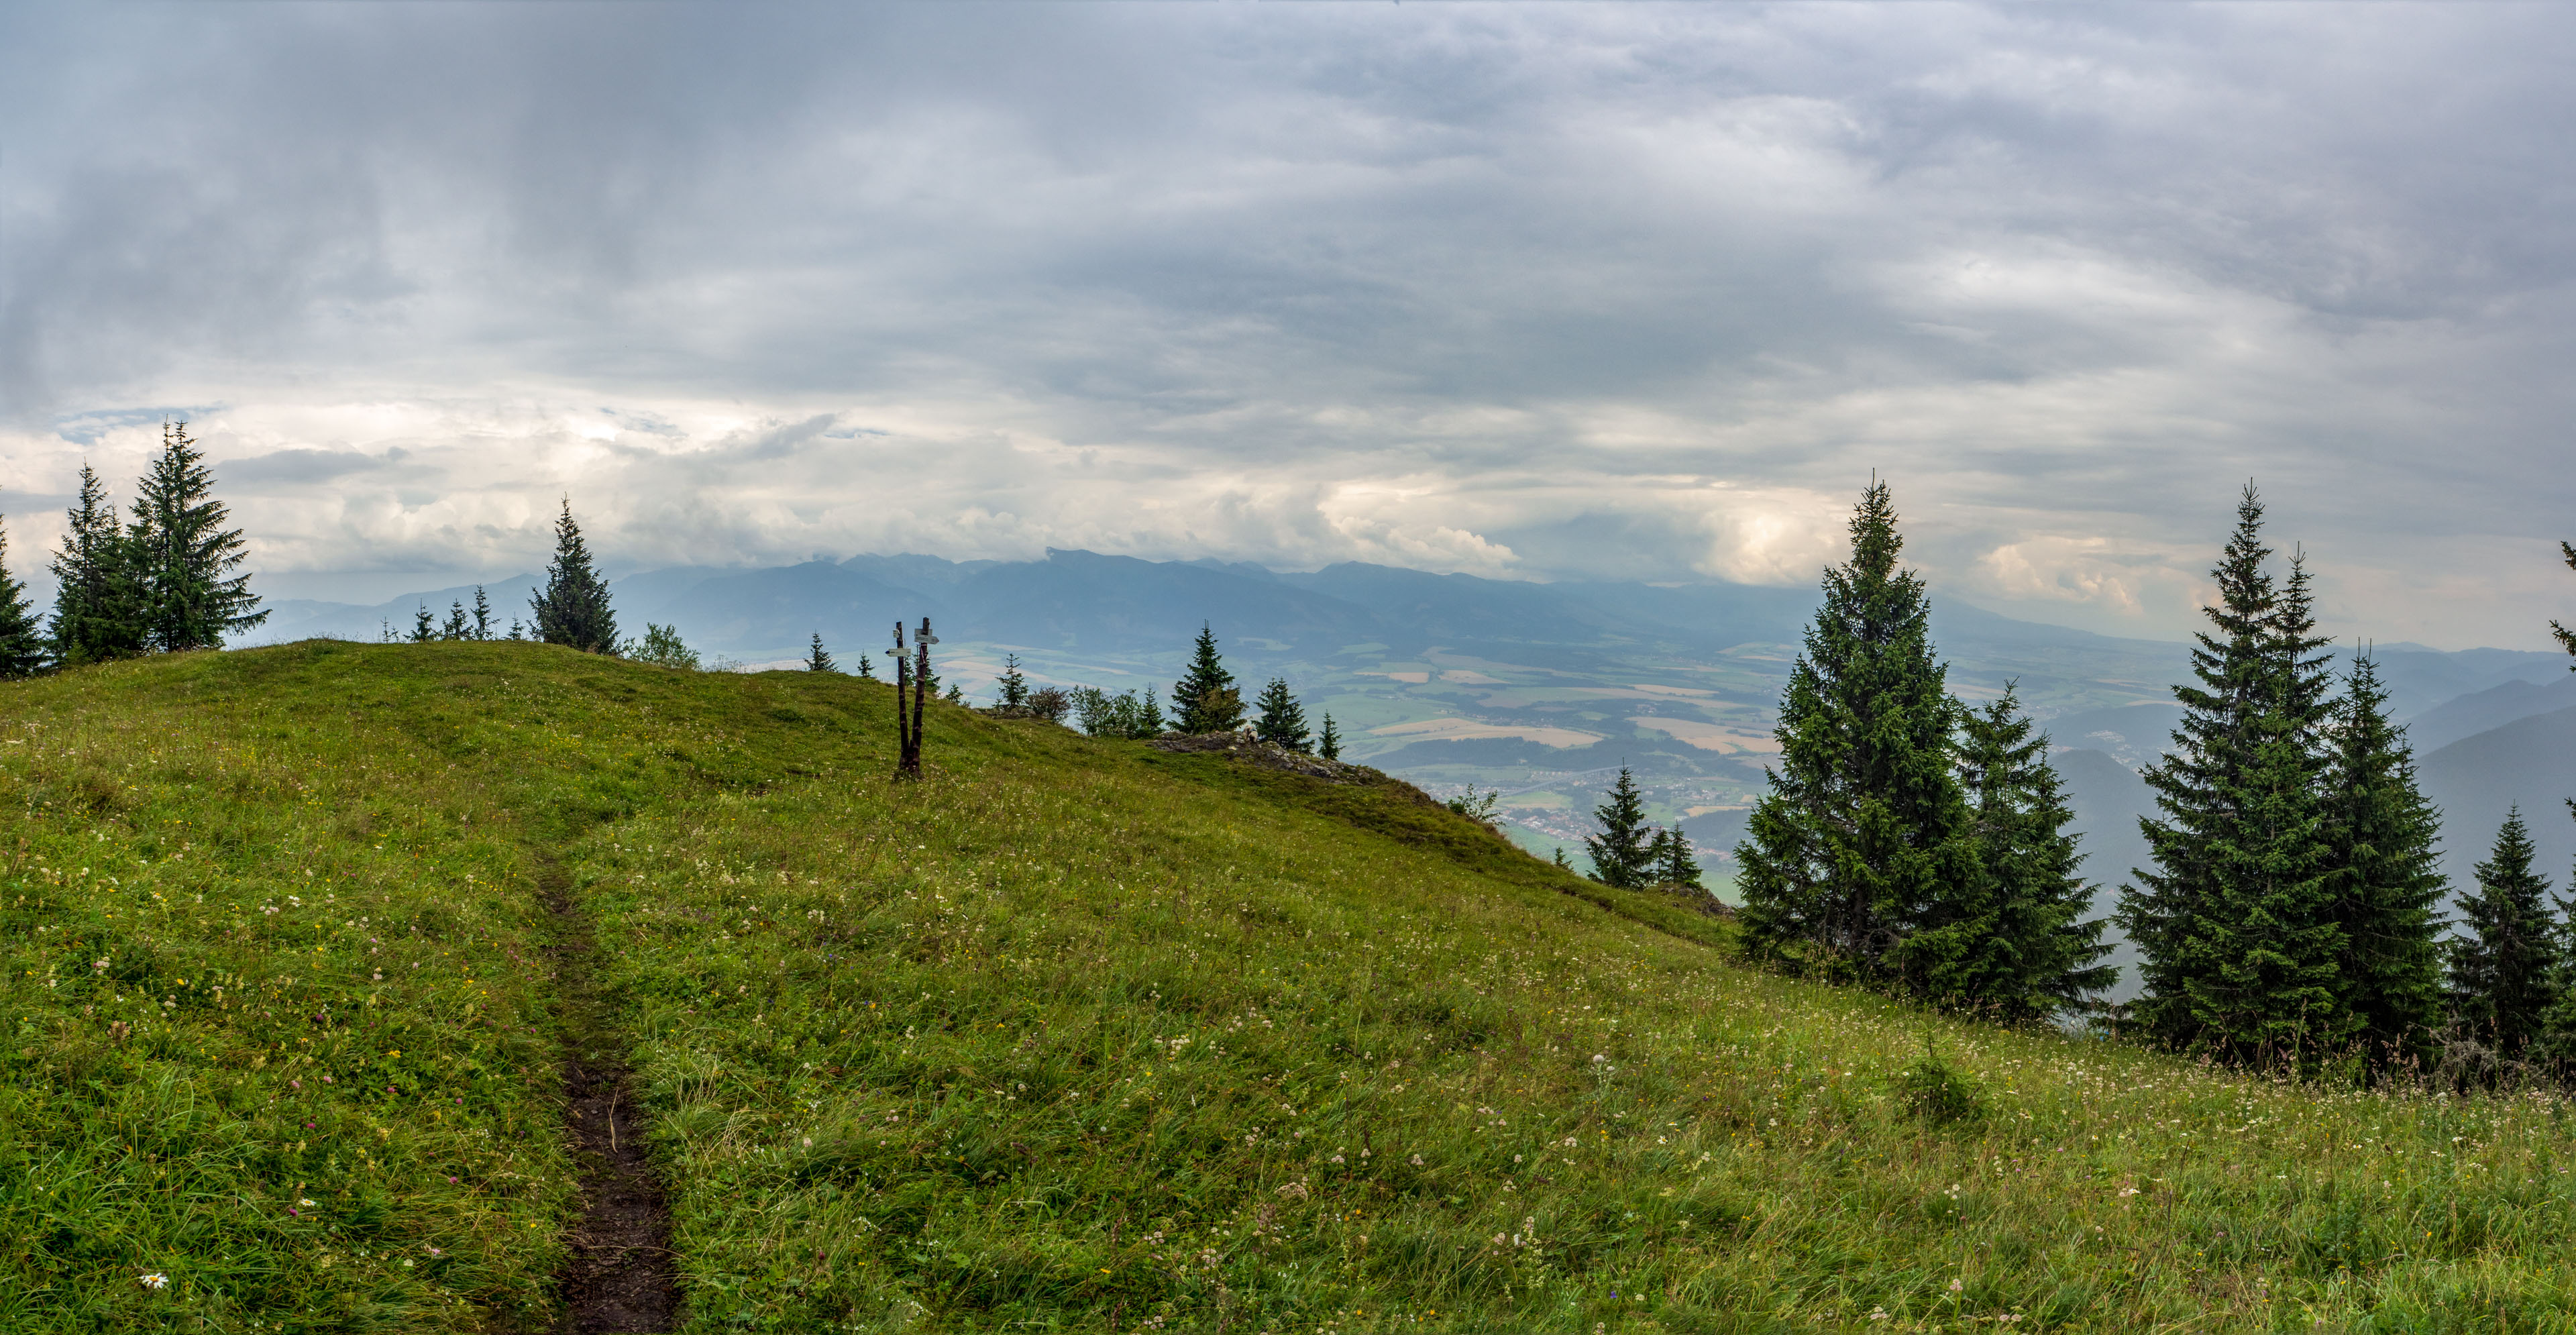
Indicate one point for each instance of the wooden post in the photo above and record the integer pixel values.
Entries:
(921, 642)
(907, 764)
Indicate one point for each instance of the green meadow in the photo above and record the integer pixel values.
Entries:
(1071, 1035)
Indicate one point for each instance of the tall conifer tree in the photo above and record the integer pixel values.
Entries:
(2241, 956)
(98, 603)
(817, 659)
(183, 556)
(1863, 836)
(22, 640)
(2505, 971)
(1328, 743)
(2022, 947)
(2384, 884)
(1622, 852)
(1206, 699)
(573, 609)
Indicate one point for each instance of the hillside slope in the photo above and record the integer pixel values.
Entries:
(1071, 1035)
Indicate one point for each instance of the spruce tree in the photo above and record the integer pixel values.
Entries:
(183, 557)
(1205, 700)
(2240, 955)
(1670, 857)
(816, 660)
(482, 614)
(424, 628)
(2026, 951)
(2505, 972)
(1863, 837)
(1619, 851)
(22, 640)
(457, 627)
(98, 602)
(1283, 720)
(2383, 882)
(867, 670)
(573, 610)
(1328, 743)
(1013, 686)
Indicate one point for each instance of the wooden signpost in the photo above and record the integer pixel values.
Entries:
(911, 683)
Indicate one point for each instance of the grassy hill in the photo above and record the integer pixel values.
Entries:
(300, 944)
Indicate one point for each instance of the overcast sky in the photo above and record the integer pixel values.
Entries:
(1639, 291)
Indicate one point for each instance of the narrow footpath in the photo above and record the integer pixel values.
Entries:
(621, 1276)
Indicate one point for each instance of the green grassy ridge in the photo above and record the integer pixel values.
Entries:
(914, 1051)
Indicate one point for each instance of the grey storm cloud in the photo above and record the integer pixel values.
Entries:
(1639, 291)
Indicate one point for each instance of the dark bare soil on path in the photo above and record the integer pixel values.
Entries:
(621, 1276)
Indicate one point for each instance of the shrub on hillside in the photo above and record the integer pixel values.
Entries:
(1126, 715)
(662, 647)
(1935, 1091)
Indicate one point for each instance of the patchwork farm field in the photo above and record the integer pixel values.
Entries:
(313, 952)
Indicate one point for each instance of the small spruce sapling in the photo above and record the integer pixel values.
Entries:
(1479, 805)
(819, 660)
(482, 614)
(1283, 720)
(867, 670)
(457, 628)
(1013, 687)
(1329, 743)
(424, 627)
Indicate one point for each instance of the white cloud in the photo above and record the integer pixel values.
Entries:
(1541, 291)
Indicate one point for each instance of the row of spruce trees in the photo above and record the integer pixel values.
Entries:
(1207, 699)
(158, 581)
(2291, 915)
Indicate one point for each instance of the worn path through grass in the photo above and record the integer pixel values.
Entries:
(620, 1274)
